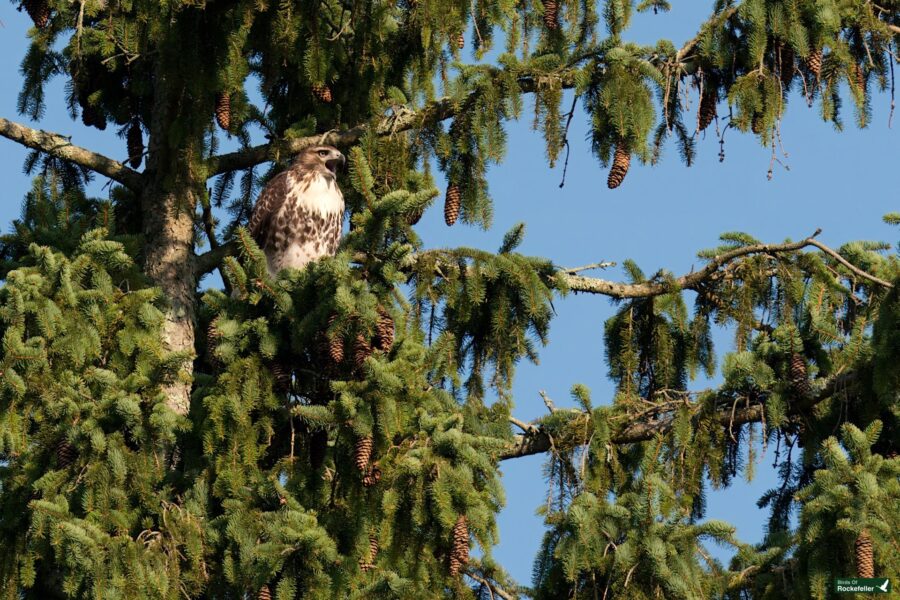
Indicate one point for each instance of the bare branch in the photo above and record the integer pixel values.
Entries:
(849, 265)
(62, 147)
(656, 423)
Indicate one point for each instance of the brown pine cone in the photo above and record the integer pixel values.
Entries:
(223, 110)
(384, 331)
(65, 454)
(39, 11)
(786, 65)
(212, 340)
(800, 376)
(859, 78)
(621, 163)
(756, 124)
(91, 117)
(707, 110)
(459, 554)
(367, 563)
(865, 559)
(135, 143)
(415, 216)
(322, 93)
(282, 377)
(451, 205)
(814, 63)
(362, 453)
(373, 477)
(264, 593)
(551, 14)
(461, 41)
(362, 350)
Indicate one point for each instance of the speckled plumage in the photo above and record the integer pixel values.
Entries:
(299, 215)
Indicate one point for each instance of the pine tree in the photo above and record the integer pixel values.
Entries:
(337, 431)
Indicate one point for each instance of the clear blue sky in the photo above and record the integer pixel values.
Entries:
(660, 217)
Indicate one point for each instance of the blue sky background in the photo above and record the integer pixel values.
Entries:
(660, 217)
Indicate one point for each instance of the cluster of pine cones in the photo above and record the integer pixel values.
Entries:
(363, 346)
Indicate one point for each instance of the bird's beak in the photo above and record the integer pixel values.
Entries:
(335, 163)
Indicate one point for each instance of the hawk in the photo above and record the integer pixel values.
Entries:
(299, 215)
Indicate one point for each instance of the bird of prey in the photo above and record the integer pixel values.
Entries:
(299, 215)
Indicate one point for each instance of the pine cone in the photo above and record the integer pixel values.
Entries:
(414, 217)
(264, 593)
(756, 124)
(334, 346)
(373, 476)
(865, 559)
(786, 65)
(39, 11)
(223, 110)
(384, 331)
(859, 78)
(621, 162)
(362, 453)
(362, 350)
(212, 340)
(461, 41)
(367, 563)
(814, 63)
(451, 205)
(551, 14)
(459, 553)
(65, 453)
(799, 376)
(135, 143)
(707, 109)
(91, 117)
(282, 377)
(322, 93)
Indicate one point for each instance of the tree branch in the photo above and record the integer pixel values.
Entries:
(849, 265)
(653, 423)
(62, 147)
(407, 119)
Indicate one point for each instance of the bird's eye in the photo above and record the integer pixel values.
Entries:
(323, 152)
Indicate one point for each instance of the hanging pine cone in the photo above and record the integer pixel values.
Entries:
(264, 593)
(212, 340)
(459, 553)
(372, 477)
(756, 123)
(621, 162)
(282, 377)
(322, 93)
(707, 110)
(367, 563)
(415, 216)
(451, 205)
(460, 41)
(65, 454)
(859, 78)
(551, 14)
(135, 144)
(39, 11)
(362, 453)
(799, 376)
(384, 331)
(786, 65)
(362, 350)
(91, 117)
(223, 110)
(814, 63)
(865, 559)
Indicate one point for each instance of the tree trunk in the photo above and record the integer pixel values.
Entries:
(169, 262)
(168, 203)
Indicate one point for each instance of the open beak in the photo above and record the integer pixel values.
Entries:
(338, 162)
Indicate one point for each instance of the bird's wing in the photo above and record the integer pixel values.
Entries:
(267, 205)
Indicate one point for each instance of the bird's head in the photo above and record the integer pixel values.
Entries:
(326, 159)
